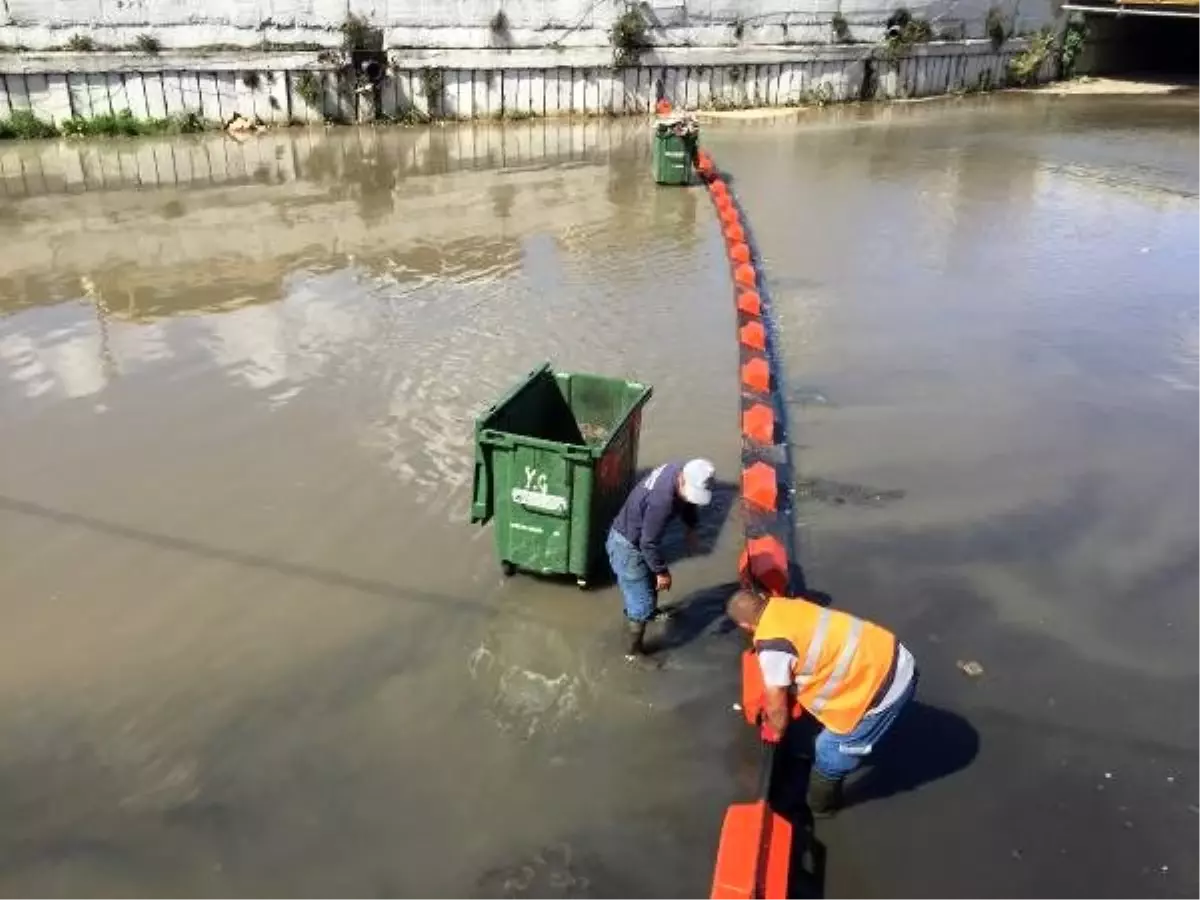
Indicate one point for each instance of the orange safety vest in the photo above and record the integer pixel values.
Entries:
(841, 661)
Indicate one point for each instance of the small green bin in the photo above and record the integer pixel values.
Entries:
(673, 154)
(554, 460)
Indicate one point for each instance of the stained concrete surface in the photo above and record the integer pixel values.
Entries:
(251, 645)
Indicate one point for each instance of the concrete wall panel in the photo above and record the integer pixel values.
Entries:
(218, 86)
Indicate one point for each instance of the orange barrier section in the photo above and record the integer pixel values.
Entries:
(752, 858)
(765, 561)
(745, 275)
(753, 335)
(759, 487)
(752, 688)
(756, 375)
(758, 423)
(754, 854)
(750, 303)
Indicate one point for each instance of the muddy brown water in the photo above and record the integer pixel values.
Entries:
(251, 646)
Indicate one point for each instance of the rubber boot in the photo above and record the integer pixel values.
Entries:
(824, 795)
(635, 649)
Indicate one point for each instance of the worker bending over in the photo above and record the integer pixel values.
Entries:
(633, 545)
(853, 676)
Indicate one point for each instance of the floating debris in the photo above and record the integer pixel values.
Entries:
(805, 397)
(970, 667)
(239, 124)
(838, 493)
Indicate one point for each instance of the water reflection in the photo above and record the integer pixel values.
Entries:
(380, 265)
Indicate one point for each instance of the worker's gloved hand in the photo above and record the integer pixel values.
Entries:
(768, 734)
(662, 581)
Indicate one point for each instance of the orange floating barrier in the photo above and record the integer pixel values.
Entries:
(739, 252)
(756, 375)
(753, 335)
(754, 854)
(752, 688)
(758, 423)
(745, 275)
(718, 187)
(760, 487)
(749, 303)
(765, 561)
(734, 233)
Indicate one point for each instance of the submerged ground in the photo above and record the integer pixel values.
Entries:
(252, 646)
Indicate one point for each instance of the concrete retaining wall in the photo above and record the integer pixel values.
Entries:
(298, 87)
(41, 24)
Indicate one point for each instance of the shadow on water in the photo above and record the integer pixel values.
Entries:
(316, 574)
(712, 522)
(926, 744)
(695, 614)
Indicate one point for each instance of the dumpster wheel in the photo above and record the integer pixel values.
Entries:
(581, 583)
(507, 568)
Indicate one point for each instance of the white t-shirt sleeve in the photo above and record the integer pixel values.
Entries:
(777, 667)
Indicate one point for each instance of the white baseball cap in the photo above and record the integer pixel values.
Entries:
(697, 482)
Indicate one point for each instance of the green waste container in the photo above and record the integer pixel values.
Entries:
(554, 460)
(675, 143)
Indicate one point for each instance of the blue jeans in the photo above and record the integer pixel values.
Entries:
(633, 577)
(837, 755)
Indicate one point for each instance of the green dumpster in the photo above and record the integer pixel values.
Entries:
(554, 460)
(675, 140)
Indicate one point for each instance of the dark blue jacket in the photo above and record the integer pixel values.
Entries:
(649, 508)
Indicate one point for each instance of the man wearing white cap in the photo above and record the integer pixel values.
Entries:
(673, 489)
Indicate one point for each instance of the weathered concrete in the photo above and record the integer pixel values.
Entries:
(473, 23)
(290, 87)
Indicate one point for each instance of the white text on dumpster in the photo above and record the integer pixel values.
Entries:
(535, 495)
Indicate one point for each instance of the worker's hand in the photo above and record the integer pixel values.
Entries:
(662, 581)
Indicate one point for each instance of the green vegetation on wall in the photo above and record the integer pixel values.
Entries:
(24, 125)
(629, 37)
(1024, 67)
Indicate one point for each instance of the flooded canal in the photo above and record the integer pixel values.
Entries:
(251, 646)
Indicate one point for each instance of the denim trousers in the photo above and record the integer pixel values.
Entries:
(837, 755)
(633, 577)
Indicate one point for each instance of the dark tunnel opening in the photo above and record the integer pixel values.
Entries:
(1132, 44)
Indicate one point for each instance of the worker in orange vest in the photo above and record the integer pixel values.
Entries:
(851, 675)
